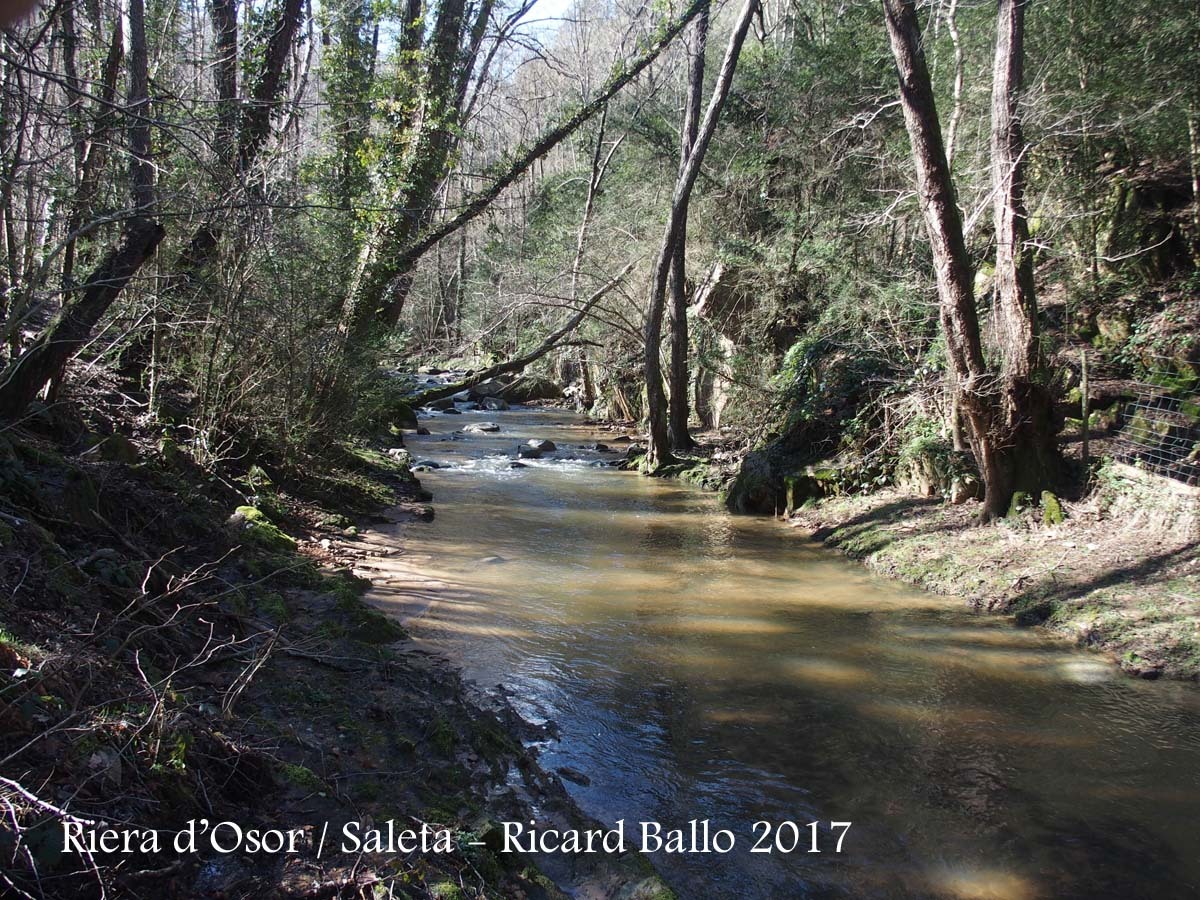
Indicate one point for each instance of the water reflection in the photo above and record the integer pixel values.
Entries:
(704, 666)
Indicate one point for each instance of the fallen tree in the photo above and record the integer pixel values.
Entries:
(516, 364)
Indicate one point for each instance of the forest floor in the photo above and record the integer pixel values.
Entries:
(179, 646)
(1121, 573)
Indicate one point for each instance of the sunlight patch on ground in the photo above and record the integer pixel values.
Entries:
(983, 884)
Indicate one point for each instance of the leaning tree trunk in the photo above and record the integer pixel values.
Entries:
(681, 439)
(518, 363)
(1027, 427)
(46, 358)
(960, 324)
(659, 451)
(398, 253)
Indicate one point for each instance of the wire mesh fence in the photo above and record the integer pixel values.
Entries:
(1158, 427)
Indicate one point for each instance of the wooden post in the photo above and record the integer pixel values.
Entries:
(1085, 405)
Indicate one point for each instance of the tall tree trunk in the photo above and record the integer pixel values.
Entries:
(681, 439)
(1027, 421)
(46, 358)
(252, 118)
(390, 254)
(225, 75)
(449, 73)
(952, 265)
(659, 451)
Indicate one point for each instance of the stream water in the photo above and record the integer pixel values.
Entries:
(704, 666)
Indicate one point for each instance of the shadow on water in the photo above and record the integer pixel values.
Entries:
(704, 666)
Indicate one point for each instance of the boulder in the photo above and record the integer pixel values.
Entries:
(493, 404)
(525, 452)
(531, 388)
(1021, 501)
(491, 387)
(542, 445)
(964, 488)
(250, 525)
(430, 370)
(444, 404)
(482, 428)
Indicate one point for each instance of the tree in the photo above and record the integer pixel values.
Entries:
(1025, 425)
(1008, 414)
(44, 360)
(395, 248)
(952, 265)
(659, 451)
(681, 438)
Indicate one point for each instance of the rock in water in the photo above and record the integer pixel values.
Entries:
(541, 445)
(493, 404)
(488, 388)
(533, 387)
(528, 453)
(481, 428)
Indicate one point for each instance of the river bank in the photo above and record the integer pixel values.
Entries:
(1119, 575)
(178, 646)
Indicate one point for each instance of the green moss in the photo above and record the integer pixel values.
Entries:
(272, 605)
(361, 622)
(1052, 509)
(255, 528)
(442, 737)
(1021, 501)
(301, 776)
(446, 890)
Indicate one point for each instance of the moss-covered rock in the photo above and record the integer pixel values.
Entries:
(251, 526)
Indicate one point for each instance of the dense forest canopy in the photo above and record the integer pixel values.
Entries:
(249, 213)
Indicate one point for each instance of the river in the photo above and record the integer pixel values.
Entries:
(704, 666)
